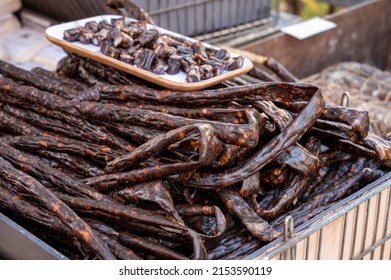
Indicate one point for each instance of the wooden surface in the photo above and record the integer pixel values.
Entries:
(363, 34)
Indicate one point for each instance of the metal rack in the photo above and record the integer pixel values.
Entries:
(358, 227)
(212, 20)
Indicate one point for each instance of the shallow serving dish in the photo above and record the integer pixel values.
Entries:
(175, 82)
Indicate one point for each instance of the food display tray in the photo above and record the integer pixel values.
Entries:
(175, 82)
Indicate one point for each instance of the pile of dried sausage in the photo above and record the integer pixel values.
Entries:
(120, 169)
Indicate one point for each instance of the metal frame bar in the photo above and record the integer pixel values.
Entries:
(386, 223)
(320, 243)
(341, 254)
(177, 7)
(376, 227)
(232, 31)
(357, 213)
(364, 239)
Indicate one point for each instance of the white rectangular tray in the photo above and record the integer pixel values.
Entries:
(176, 82)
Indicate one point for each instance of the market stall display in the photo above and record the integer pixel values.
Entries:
(103, 165)
(201, 159)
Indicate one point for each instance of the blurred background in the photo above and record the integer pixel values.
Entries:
(309, 8)
(229, 22)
